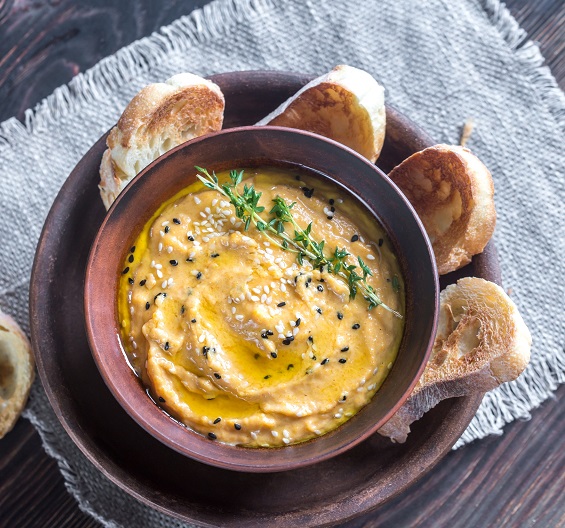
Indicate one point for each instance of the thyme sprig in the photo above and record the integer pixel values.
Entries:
(300, 242)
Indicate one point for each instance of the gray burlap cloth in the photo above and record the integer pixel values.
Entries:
(441, 62)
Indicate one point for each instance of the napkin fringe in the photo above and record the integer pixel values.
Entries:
(543, 375)
(112, 72)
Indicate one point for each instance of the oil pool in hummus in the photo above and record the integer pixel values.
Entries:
(239, 342)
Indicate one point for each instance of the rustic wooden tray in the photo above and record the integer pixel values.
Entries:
(329, 492)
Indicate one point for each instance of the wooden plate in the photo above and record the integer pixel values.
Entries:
(335, 490)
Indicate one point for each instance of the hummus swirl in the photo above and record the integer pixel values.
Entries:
(238, 341)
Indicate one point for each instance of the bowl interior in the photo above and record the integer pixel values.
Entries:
(246, 147)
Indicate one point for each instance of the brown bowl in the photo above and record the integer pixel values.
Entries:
(249, 147)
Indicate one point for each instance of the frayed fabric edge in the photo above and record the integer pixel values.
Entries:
(202, 25)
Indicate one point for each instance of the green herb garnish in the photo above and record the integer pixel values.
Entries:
(247, 209)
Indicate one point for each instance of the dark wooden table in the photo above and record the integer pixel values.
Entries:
(514, 480)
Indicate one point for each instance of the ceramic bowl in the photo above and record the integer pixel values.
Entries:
(249, 147)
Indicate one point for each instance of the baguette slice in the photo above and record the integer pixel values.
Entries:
(16, 372)
(482, 341)
(346, 105)
(160, 117)
(453, 194)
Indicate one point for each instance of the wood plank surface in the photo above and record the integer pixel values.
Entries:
(514, 480)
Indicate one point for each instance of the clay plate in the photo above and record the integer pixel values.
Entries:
(329, 492)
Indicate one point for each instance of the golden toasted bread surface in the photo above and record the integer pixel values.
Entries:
(482, 341)
(160, 117)
(453, 194)
(16, 372)
(346, 105)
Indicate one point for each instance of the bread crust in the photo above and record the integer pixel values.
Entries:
(346, 105)
(481, 342)
(453, 194)
(17, 372)
(160, 117)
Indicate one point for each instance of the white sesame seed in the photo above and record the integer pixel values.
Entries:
(205, 239)
(263, 298)
(282, 336)
(269, 300)
(286, 440)
(207, 210)
(370, 257)
(164, 284)
(165, 223)
(238, 224)
(253, 435)
(266, 289)
(279, 328)
(338, 415)
(269, 251)
(254, 298)
(162, 233)
(239, 317)
(292, 323)
(195, 272)
(362, 239)
(275, 433)
(371, 387)
(278, 259)
(227, 212)
(158, 266)
(159, 274)
(286, 434)
(160, 247)
(339, 200)
(170, 249)
(283, 288)
(214, 202)
(318, 432)
(256, 290)
(232, 220)
(197, 200)
(296, 330)
(272, 268)
(201, 338)
(192, 254)
(170, 281)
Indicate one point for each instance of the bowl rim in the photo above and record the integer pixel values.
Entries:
(142, 420)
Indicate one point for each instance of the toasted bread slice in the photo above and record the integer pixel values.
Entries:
(346, 105)
(482, 341)
(160, 117)
(453, 194)
(16, 372)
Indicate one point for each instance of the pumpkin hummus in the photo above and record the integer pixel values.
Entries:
(237, 340)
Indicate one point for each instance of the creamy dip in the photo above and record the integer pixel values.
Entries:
(238, 341)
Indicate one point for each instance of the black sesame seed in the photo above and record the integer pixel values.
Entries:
(325, 361)
(161, 399)
(330, 217)
(199, 274)
(345, 349)
(270, 332)
(167, 346)
(281, 304)
(212, 436)
(142, 282)
(319, 310)
(290, 366)
(182, 309)
(217, 420)
(160, 293)
(311, 339)
(217, 376)
(176, 221)
(237, 426)
(274, 355)
(342, 360)
(381, 241)
(264, 335)
(354, 238)
(321, 280)
(308, 280)
(267, 376)
(344, 398)
(286, 341)
(256, 356)
(130, 258)
(320, 288)
(131, 281)
(298, 321)
(332, 209)
(189, 259)
(205, 351)
(167, 228)
(147, 306)
(126, 269)
(173, 262)
(193, 320)
(132, 249)
(314, 358)
(307, 284)
(191, 238)
(214, 255)
(356, 326)
(332, 201)
(308, 192)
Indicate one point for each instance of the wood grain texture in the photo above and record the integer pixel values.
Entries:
(513, 480)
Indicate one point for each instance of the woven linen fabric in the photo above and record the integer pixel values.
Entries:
(441, 65)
